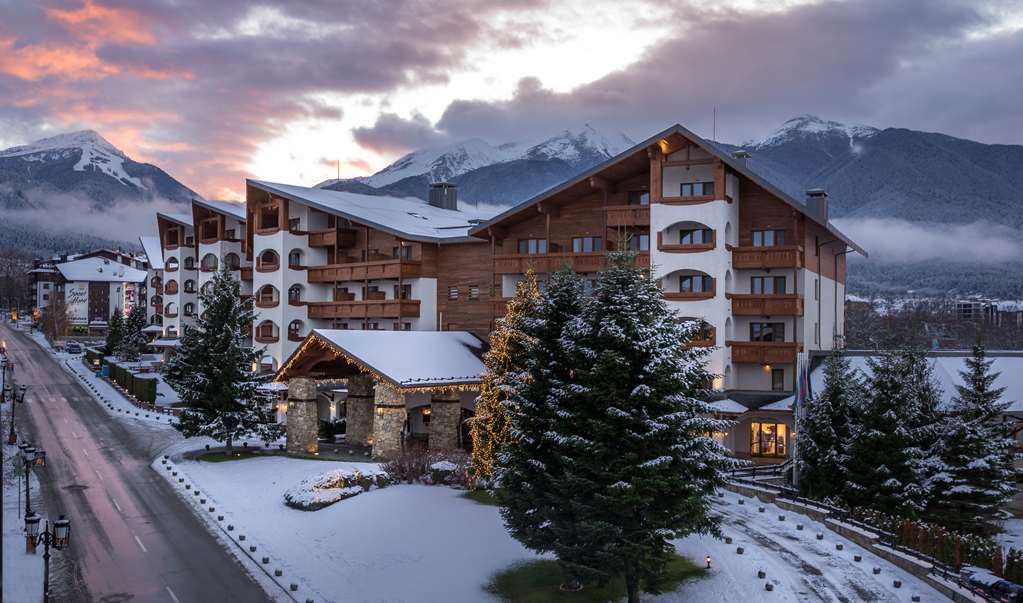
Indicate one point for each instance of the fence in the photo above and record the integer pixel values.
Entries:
(138, 389)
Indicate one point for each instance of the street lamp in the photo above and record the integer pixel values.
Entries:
(28, 458)
(58, 536)
(12, 439)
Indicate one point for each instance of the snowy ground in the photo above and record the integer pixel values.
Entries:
(23, 573)
(1013, 534)
(426, 543)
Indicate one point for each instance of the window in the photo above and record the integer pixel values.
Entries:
(342, 294)
(295, 258)
(207, 288)
(639, 242)
(294, 223)
(374, 326)
(171, 265)
(767, 331)
(403, 292)
(266, 329)
(768, 439)
(295, 293)
(816, 332)
(532, 246)
(189, 240)
(46, 286)
(209, 263)
(295, 329)
(46, 296)
(695, 283)
(699, 236)
(777, 380)
(697, 189)
(189, 309)
(229, 234)
(453, 293)
(189, 286)
(190, 262)
(817, 288)
(767, 285)
(402, 326)
(403, 252)
(267, 261)
(474, 292)
(639, 198)
(232, 261)
(585, 244)
(768, 238)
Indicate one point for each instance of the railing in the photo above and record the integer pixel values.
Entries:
(267, 303)
(788, 256)
(763, 352)
(267, 266)
(684, 247)
(766, 304)
(207, 268)
(688, 295)
(171, 315)
(329, 238)
(292, 336)
(266, 338)
(246, 273)
(170, 268)
(391, 308)
(551, 262)
(357, 271)
(628, 215)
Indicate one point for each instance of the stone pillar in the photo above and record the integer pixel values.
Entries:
(303, 417)
(388, 422)
(359, 410)
(445, 419)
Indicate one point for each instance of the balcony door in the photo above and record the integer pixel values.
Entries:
(768, 439)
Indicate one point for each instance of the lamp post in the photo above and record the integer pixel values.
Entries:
(12, 438)
(58, 536)
(3, 373)
(29, 457)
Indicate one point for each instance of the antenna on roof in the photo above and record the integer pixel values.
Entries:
(338, 169)
(714, 127)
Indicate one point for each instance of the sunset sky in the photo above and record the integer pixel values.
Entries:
(214, 91)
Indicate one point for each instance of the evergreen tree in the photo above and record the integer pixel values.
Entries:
(887, 468)
(212, 370)
(976, 476)
(133, 340)
(115, 331)
(490, 427)
(824, 433)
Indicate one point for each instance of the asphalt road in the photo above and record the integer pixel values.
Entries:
(132, 538)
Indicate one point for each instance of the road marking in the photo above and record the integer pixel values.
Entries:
(172, 595)
(98, 474)
(116, 506)
(85, 452)
(141, 546)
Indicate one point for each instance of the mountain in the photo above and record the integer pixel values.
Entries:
(85, 165)
(496, 174)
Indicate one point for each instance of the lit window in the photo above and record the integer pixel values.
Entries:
(768, 439)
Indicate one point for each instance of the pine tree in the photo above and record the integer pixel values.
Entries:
(212, 370)
(824, 433)
(115, 331)
(490, 428)
(977, 476)
(133, 340)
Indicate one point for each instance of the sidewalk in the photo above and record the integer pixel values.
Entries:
(23, 573)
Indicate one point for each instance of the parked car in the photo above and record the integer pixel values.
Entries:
(73, 347)
(984, 582)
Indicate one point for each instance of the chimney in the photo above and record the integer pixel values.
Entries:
(743, 155)
(817, 204)
(444, 195)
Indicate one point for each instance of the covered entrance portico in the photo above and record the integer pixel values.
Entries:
(398, 383)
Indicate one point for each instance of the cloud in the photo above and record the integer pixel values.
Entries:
(394, 134)
(902, 242)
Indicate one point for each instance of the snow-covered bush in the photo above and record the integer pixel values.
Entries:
(314, 493)
(448, 467)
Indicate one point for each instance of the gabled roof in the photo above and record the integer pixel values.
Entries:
(181, 219)
(228, 208)
(100, 270)
(641, 147)
(405, 217)
(405, 359)
(154, 253)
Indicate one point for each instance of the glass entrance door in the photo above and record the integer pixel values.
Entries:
(768, 439)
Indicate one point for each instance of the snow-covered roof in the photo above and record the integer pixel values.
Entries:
(728, 406)
(165, 343)
(182, 219)
(154, 252)
(101, 270)
(235, 210)
(42, 271)
(152, 329)
(407, 217)
(408, 359)
(947, 366)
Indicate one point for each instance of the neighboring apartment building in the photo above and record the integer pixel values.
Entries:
(180, 271)
(45, 275)
(154, 279)
(338, 260)
(95, 287)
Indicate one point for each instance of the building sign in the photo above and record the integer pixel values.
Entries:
(76, 297)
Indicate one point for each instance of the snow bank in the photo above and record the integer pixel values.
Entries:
(323, 490)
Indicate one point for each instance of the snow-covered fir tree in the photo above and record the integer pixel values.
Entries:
(490, 426)
(212, 370)
(976, 476)
(888, 465)
(133, 340)
(620, 442)
(824, 431)
(115, 331)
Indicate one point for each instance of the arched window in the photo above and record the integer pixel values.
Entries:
(209, 263)
(232, 261)
(295, 294)
(170, 310)
(268, 261)
(170, 265)
(295, 258)
(171, 288)
(157, 300)
(686, 237)
(189, 309)
(190, 286)
(267, 297)
(189, 263)
(156, 281)
(207, 288)
(267, 332)
(295, 330)
(685, 285)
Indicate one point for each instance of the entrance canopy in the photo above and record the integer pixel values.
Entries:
(405, 360)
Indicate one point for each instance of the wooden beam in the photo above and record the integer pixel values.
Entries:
(548, 210)
(688, 162)
(656, 177)
(602, 184)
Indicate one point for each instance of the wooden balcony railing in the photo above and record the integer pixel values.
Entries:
(246, 273)
(787, 256)
(267, 302)
(688, 295)
(766, 305)
(330, 237)
(267, 266)
(764, 352)
(707, 338)
(170, 268)
(171, 289)
(628, 215)
(171, 315)
(357, 271)
(262, 338)
(683, 248)
(293, 336)
(391, 308)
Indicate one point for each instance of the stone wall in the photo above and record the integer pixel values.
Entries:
(303, 417)
(388, 422)
(359, 410)
(445, 417)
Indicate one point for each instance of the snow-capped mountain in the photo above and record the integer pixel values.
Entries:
(811, 126)
(498, 174)
(83, 164)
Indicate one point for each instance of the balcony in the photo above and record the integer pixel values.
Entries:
(264, 338)
(787, 256)
(688, 295)
(764, 352)
(158, 308)
(246, 273)
(267, 302)
(683, 248)
(330, 238)
(294, 336)
(391, 308)
(628, 215)
(766, 305)
(704, 338)
(171, 315)
(358, 271)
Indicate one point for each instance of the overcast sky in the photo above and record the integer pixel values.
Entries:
(216, 91)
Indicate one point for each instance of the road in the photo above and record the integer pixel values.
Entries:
(133, 538)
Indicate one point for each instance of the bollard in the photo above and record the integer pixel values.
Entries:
(839, 546)
(738, 550)
(220, 518)
(781, 518)
(820, 536)
(212, 509)
(897, 583)
(230, 528)
(761, 574)
(742, 502)
(266, 560)
(728, 540)
(181, 480)
(188, 486)
(799, 527)
(294, 587)
(768, 586)
(915, 598)
(877, 571)
(252, 548)
(278, 573)
(760, 509)
(241, 537)
(202, 501)
(721, 494)
(857, 558)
